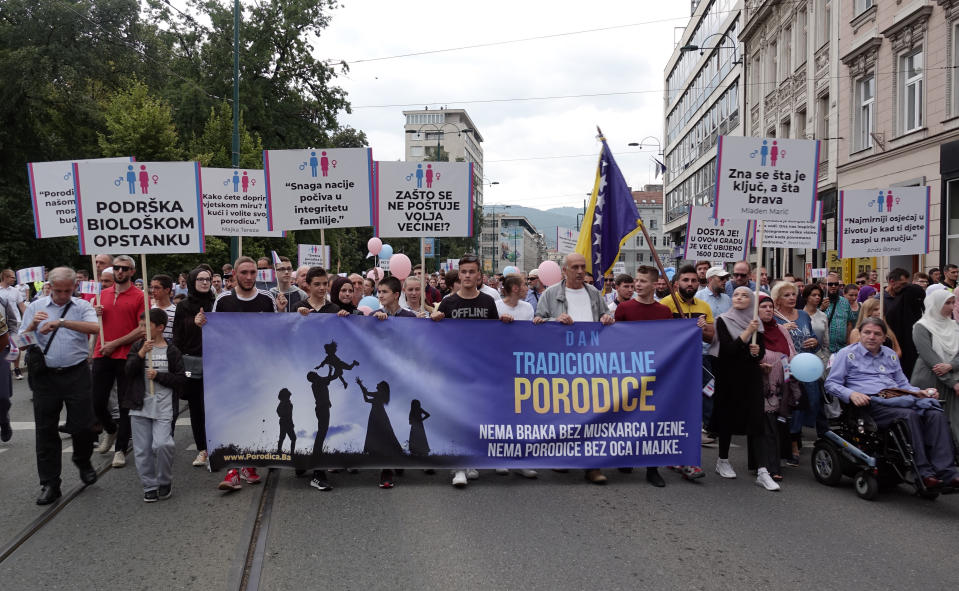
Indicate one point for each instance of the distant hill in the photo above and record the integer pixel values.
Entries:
(545, 221)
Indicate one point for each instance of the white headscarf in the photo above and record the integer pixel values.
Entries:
(944, 331)
(934, 288)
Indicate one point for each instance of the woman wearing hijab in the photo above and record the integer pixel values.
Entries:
(779, 395)
(341, 294)
(936, 336)
(738, 397)
(188, 338)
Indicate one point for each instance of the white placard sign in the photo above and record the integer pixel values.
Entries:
(313, 255)
(766, 178)
(51, 191)
(715, 239)
(319, 188)
(883, 222)
(234, 203)
(415, 199)
(792, 233)
(566, 240)
(139, 208)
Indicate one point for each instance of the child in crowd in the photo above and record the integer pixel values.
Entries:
(151, 412)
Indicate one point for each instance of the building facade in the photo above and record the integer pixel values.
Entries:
(703, 100)
(899, 109)
(793, 91)
(510, 240)
(636, 252)
(445, 135)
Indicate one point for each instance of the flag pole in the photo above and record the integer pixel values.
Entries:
(652, 249)
(93, 260)
(146, 313)
(759, 266)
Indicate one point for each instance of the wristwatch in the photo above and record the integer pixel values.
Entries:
(61, 322)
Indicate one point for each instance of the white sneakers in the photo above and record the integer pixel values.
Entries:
(725, 469)
(201, 459)
(107, 444)
(525, 473)
(766, 481)
(459, 478)
(472, 473)
(119, 459)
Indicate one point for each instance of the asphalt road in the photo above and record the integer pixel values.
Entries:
(501, 532)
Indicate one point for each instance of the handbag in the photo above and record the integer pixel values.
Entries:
(193, 365)
(34, 358)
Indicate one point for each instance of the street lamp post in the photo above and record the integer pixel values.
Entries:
(235, 240)
(693, 47)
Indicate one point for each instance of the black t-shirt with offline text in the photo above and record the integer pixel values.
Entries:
(482, 307)
(230, 302)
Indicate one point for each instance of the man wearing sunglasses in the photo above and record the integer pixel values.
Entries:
(740, 278)
(120, 308)
(838, 313)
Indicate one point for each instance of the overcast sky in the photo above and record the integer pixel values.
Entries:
(527, 143)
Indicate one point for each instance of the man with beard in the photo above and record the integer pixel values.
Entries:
(839, 315)
(903, 307)
(662, 289)
(686, 283)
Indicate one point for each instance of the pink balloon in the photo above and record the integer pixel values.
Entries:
(400, 266)
(374, 245)
(366, 310)
(375, 274)
(550, 273)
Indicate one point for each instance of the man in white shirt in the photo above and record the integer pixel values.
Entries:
(490, 291)
(13, 303)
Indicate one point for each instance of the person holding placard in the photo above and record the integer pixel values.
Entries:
(62, 324)
(284, 284)
(161, 288)
(414, 298)
(120, 308)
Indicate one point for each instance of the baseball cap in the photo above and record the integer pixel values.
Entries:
(533, 273)
(716, 272)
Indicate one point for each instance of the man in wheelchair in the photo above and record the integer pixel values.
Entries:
(862, 372)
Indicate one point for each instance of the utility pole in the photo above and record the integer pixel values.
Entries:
(235, 240)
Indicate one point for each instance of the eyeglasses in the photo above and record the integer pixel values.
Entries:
(204, 279)
(740, 274)
(281, 269)
(122, 268)
(861, 282)
(832, 284)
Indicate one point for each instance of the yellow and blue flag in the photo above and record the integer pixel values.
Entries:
(611, 218)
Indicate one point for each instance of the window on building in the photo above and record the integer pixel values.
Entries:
(910, 91)
(862, 6)
(823, 22)
(822, 114)
(801, 124)
(955, 73)
(786, 63)
(772, 68)
(639, 241)
(865, 108)
(784, 128)
(755, 90)
(417, 151)
(801, 36)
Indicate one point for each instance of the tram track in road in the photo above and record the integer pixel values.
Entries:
(44, 518)
(247, 565)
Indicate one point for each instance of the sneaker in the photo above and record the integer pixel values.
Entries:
(150, 496)
(689, 472)
(528, 473)
(764, 480)
(386, 479)
(201, 459)
(119, 460)
(107, 444)
(319, 482)
(595, 476)
(231, 481)
(249, 475)
(502, 471)
(459, 479)
(165, 491)
(17, 374)
(472, 473)
(725, 469)
(708, 438)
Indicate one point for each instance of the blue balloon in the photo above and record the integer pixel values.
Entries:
(670, 271)
(386, 252)
(509, 270)
(369, 301)
(806, 367)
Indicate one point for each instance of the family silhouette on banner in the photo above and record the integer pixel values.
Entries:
(380, 438)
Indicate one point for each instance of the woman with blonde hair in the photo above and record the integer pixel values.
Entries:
(870, 309)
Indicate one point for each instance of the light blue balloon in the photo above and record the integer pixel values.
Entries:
(670, 271)
(806, 367)
(370, 302)
(509, 270)
(386, 252)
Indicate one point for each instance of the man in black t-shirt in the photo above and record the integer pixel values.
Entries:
(245, 297)
(467, 303)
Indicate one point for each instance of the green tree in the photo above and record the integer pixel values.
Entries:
(214, 147)
(138, 124)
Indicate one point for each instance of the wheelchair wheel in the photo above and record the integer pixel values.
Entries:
(826, 464)
(867, 485)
